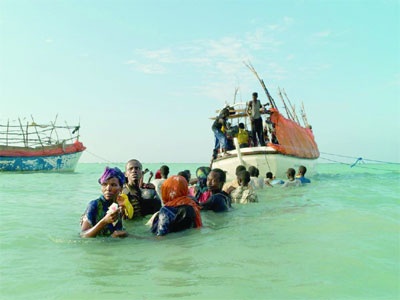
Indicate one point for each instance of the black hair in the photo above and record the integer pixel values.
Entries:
(185, 175)
(164, 170)
(269, 175)
(221, 174)
(253, 171)
(240, 168)
(244, 176)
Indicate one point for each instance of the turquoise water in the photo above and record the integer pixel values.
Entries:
(337, 238)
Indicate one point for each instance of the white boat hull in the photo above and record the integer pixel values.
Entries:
(58, 163)
(266, 159)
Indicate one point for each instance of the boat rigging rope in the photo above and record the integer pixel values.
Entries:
(365, 159)
(95, 155)
(358, 161)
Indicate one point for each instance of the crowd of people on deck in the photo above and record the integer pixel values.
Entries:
(260, 135)
(175, 202)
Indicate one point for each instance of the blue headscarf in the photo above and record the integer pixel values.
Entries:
(112, 172)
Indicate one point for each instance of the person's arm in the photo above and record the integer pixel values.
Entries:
(88, 230)
(207, 204)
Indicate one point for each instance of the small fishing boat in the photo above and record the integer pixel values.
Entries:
(290, 143)
(28, 146)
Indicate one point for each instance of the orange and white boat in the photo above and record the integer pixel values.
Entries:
(294, 144)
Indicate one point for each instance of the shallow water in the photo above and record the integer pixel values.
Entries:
(337, 238)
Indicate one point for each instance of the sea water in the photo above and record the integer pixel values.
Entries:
(336, 238)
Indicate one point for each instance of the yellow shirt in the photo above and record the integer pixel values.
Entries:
(243, 136)
(128, 206)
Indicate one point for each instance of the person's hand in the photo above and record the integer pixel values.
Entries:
(230, 189)
(119, 234)
(111, 217)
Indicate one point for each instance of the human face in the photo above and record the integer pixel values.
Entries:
(111, 189)
(213, 182)
(133, 171)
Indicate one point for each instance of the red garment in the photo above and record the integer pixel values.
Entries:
(158, 174)
(174, 192)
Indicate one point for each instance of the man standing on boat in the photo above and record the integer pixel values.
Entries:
(253, 110)
(220, 138)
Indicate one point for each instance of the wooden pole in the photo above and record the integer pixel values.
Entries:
(22, 130)
(296, 119)
(37, 133)
(270, 99)
(288, 113)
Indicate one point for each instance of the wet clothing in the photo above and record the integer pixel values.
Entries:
(291, 183)
(303, 180)
(219, 202)
(144, 201)
(95, 211)
(174, 192)
(243, 195)
(173, 219)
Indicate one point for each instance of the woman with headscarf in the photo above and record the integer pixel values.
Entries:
(103, 216)
(179, 212)
(200, 191)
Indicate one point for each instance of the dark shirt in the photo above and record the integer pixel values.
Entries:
(96, 210)
(218, 123)
(173, 219)
(218, 202)
(144, 201)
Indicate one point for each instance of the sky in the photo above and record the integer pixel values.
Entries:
(144, 77)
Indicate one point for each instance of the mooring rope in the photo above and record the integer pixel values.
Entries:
(364, 159)
(95, 155)
(358, 161)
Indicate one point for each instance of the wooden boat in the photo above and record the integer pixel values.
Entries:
(294, 144)
(28, 146)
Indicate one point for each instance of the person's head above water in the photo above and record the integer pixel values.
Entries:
(164, 170)
(216, 180)
(302, 170)
(111, 182)
(243, 178)
(239, 169)
(133, 171)
(290, 173)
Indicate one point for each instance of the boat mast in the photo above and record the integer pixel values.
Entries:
(292, 106)
(288, 113)
(303, 115)
(251, 68)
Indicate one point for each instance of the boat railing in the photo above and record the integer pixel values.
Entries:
(34, 135)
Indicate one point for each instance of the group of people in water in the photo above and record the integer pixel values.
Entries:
(261, 132)
(175, 202)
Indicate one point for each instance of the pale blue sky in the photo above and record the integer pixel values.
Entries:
(143, 77)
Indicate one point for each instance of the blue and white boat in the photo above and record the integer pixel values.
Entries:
(28, 146)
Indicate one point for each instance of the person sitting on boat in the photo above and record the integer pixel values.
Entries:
(230, 186)
(179, 212)
(256, 182)
(291, 180)
(244, 193)
(243, 136)
(300, 175)
(144, 200)
(200, 191)
(253, 110)
(99, 219)
(160, 177)
(220, 137)
(219, 200)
